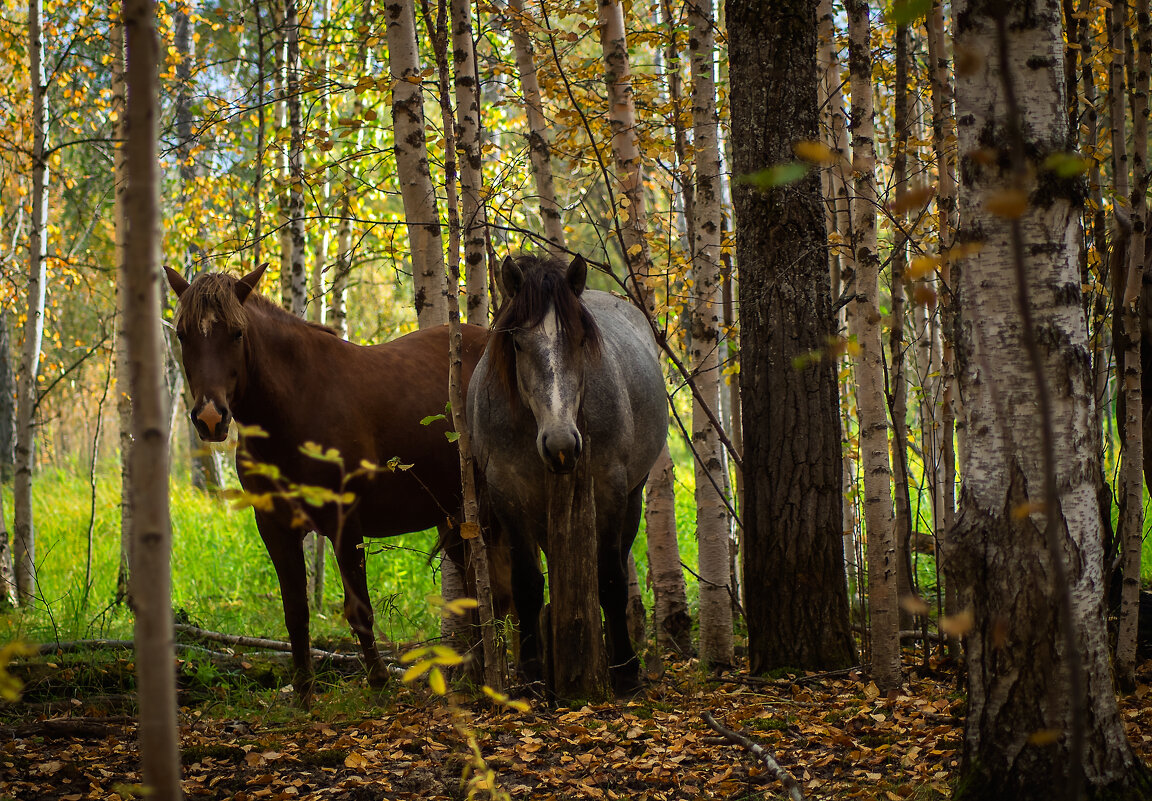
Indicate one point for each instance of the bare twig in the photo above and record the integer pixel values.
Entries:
(761, 753)
(258, 642)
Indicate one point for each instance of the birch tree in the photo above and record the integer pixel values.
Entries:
(468, 140)
(712, 522)
(27, 394)
(297, 250)
(539, 150)
(1026, 552)
(412, 170)
(152, 532)
(884, 610)
(1132, 524)
(123, 377)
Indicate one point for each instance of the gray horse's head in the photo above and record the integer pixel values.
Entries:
(542, 339)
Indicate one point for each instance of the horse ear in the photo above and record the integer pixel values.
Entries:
(175, 280)
(577, 274)
(511, 276)
(248, 283)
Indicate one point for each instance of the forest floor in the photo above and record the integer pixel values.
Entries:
(835, 734)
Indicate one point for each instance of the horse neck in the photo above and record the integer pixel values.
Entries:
(281, 353)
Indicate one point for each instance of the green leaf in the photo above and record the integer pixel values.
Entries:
(906, 12)
(452, 435)
(774, 176)
(1067, 165)
(432, 418)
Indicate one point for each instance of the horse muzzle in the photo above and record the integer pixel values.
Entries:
(210, 421)
(561, 452)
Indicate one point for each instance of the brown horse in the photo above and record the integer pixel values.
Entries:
(245, 358)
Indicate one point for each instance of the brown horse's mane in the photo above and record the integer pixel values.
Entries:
(544, 287)
(211, 299)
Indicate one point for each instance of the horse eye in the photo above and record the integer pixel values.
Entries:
(516, 345)
(239, 335)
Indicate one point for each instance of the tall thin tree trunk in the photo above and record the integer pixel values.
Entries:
(7, 398)
(468, 140)
(475, 548)
(152, 532)
(123, 378)
(712, 524)
(884, 610)
(943, 138)
(897, 383)
(24, 550)
(338, 294)
(539, 149)
(1133, 463)
(412, 170)
(318, 307)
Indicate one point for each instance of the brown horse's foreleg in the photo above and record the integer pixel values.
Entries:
(287, 552)
(357, 603)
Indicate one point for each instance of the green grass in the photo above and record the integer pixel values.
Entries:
(222, 577)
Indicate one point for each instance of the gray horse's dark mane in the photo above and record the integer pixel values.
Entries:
(544, 287)
(211, 299)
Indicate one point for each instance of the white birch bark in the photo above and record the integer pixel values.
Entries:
(152, 534)
(943, 145)
(412, 170)
(1132, 530)
(841, 262)
(476, 300)
(317, 309)
(670, 614)
(24, 546)
(629, 191)
(1026, 550)
(123, 378)
(712, 523)
(884, 610)
(297, 245)
(539, 149)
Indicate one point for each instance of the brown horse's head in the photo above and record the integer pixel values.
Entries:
(211, 324)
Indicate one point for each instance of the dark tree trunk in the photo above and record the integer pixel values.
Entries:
(578, 667)
(797, 600)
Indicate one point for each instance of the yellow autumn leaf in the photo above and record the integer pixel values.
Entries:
(814, 152)
(436, 681)
(921, 266)
(1008, 203)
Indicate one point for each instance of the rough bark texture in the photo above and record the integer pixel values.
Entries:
(943, 145)
(632, 207)
(1134, 311)
(712, 525)
(884, 610)
(476, 302)
(7, 571)
(298, 282)
(123, 378)
(152, 533)
(24, 547)
(577, 661)
(897, 384)
(1022, 681)
(539, 151)
(7, 399)
(796, 604)
(412, 170)
(670, 615)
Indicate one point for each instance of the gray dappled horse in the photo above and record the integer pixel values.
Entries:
(568, 374)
